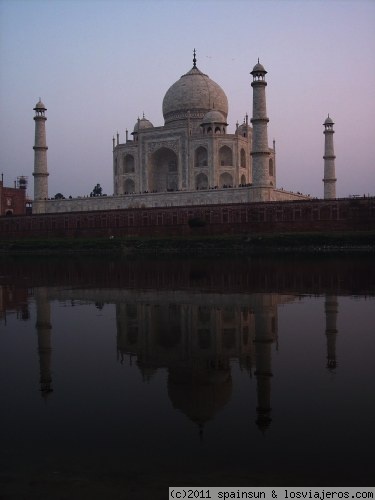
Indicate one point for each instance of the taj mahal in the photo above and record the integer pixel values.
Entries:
(191, 159)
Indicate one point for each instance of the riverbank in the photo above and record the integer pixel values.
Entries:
(312, 243)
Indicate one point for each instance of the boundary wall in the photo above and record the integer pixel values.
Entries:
(229, 219)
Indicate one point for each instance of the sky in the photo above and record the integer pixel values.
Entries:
(98, 65)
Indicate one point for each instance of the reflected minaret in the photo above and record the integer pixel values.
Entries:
(265, 335)
(331, 310)
(44, 330)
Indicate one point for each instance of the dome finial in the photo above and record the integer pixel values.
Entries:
(258, 60)
(194, 59)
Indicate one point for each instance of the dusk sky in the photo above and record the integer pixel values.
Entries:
(99, 64)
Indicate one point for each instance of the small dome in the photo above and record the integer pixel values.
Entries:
(329, 121)
(213, 116)
(243, 128)
(40, 105)
(142, 123)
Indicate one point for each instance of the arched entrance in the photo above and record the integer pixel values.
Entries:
(163, 171)
(225, 156)
(201, 181)
(226, 180)
(270, 167)
(129, 164)
(243, 158)
(200, 157)
(129, 186)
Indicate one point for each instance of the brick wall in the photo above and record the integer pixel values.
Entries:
(243, 218)
(12, 201)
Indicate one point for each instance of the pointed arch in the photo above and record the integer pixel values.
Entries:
(243, 158)
(201, 181)
(128, 164)
(129, 186)
(163, 170)
(270, 167)
(226, 180)
(225, 156)
(201, 157)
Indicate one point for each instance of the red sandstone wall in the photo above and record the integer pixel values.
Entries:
(300, 216)
(12, 200)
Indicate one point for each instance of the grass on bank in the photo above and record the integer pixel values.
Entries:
(245, 243)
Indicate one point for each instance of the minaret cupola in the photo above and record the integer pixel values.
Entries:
(259, 73)
(40, 109)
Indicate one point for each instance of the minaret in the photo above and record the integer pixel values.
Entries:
(329, 160)
(40, 155)
(260, 150)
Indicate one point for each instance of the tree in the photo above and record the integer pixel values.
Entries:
(97, 191)
(59, 196)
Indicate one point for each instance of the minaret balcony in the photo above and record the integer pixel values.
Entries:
(260, 119)
(260, 152)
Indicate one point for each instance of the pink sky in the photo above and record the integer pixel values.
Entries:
(98, 65)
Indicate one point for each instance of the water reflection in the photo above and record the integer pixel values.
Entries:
(197, 365)
(331, 311)
(195, 337)
(44, 330)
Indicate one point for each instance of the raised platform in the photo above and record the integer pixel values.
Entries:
(217, 196)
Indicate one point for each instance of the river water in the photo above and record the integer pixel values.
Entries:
(121, 377)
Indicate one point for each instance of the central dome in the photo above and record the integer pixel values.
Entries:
(194, 92)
